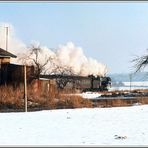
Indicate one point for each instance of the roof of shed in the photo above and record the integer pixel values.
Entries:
(4, 53)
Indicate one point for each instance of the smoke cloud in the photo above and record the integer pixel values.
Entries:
(68, 55)
(72, 56)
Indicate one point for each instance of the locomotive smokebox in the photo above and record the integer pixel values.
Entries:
(99, 83)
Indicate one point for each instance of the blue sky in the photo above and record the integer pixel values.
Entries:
(111, 32)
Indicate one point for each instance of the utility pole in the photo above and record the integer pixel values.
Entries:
(6, 38)
(25, 89)
(130, 76)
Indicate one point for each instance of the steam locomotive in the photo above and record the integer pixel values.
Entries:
(82, 83)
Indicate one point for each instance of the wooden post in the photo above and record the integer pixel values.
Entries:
(130, 76)
(0, 71)
(25, 89)
(6, 38)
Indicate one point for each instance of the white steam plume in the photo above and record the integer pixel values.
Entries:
(66, 55)
(72, 56)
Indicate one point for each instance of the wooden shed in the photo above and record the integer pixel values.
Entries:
(5, 56)
(4, 62)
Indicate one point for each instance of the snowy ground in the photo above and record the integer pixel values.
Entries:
(120, 126)
(90, 95)
(132, 86)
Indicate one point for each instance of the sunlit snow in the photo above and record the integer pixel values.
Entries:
(85, 126)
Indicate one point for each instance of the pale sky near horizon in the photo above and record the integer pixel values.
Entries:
(111, 32)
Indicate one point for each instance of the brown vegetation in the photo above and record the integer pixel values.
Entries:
(50, 98)
(10, 98)
(13, 99)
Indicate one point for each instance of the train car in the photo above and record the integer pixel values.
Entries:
(95, 83)
(82, 83)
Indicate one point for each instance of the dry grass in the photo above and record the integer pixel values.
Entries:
(120, 102)
(10, 98)
(67, 99)
(72, 101)
(52, 98)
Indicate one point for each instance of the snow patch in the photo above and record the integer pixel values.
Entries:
(90, 95)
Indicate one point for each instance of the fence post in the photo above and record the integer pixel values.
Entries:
(25, 89)
(130, 77)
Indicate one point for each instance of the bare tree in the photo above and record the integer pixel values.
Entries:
(33, 59)
(140, 62)
(64, 75)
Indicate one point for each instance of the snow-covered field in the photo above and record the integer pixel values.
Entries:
(120, 126)
(132, 86)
